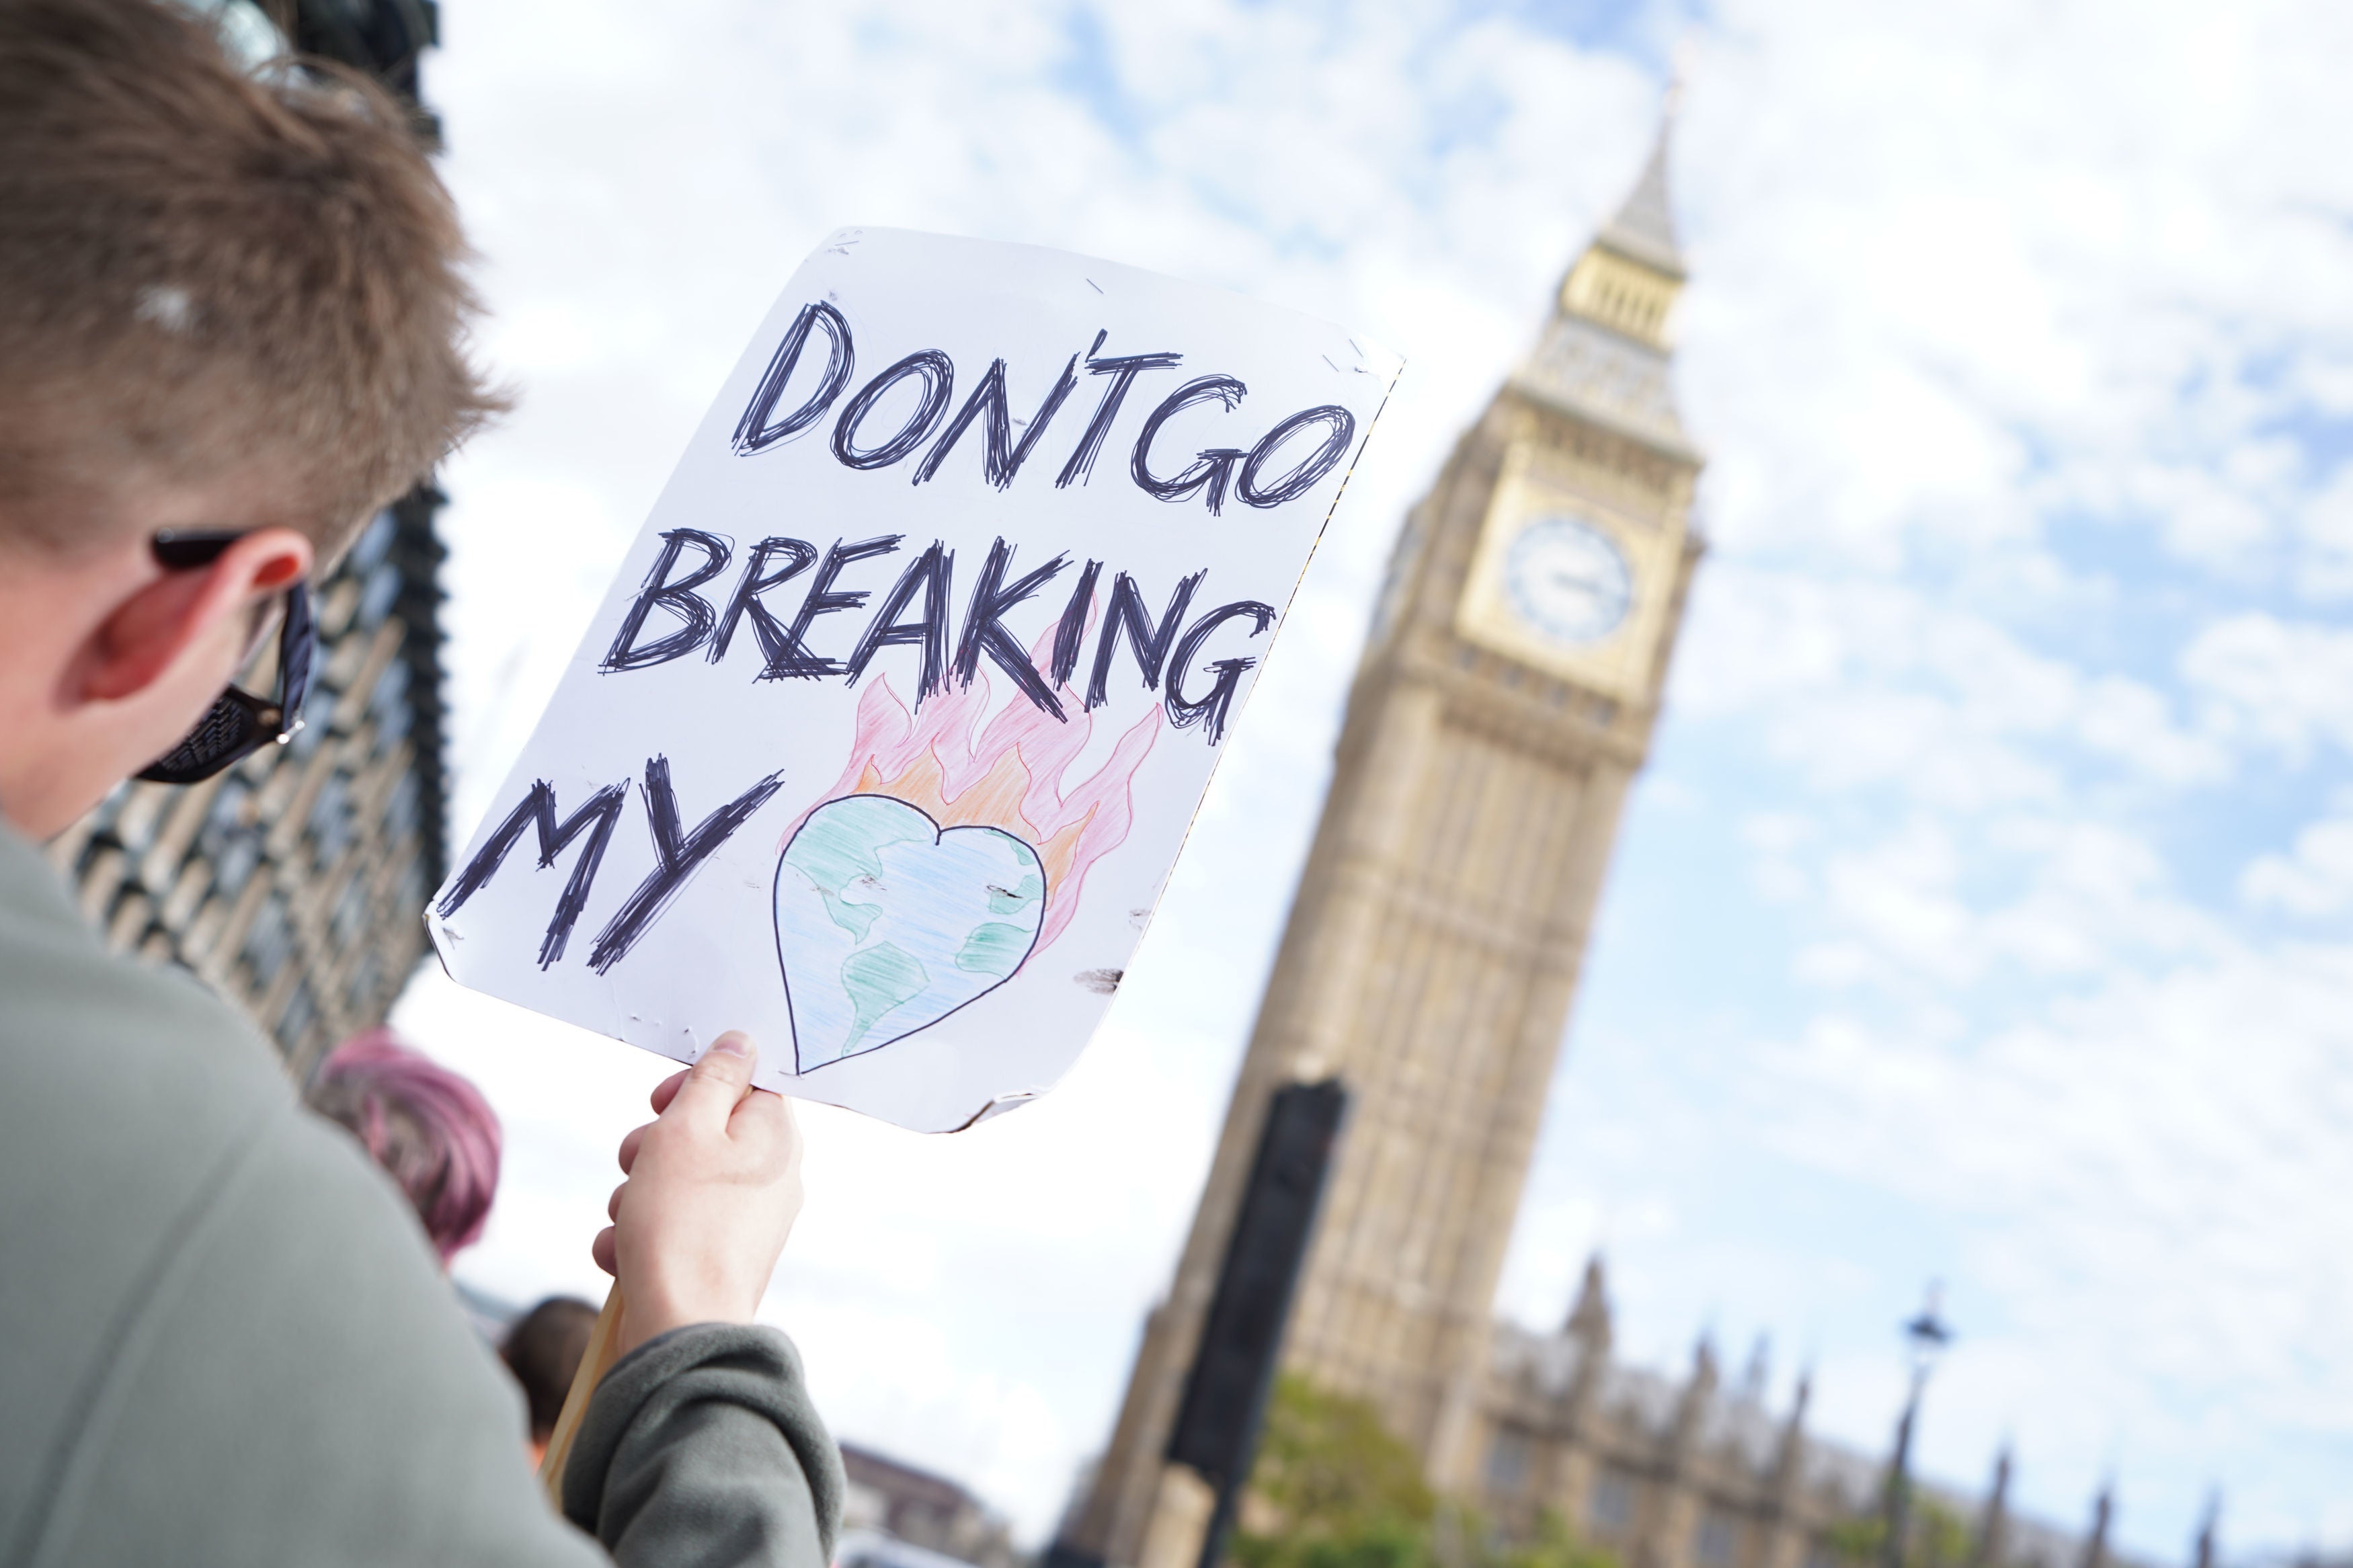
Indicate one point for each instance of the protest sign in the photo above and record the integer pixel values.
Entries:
(885, 738)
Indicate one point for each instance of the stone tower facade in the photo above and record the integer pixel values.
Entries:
(1506, 700)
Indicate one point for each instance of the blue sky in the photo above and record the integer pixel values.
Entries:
(1983, 912)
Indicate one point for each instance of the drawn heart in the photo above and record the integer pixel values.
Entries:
(886, 922)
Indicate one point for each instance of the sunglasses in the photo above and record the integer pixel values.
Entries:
(239, 723)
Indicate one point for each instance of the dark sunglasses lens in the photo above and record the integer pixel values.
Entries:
(230, 731)
(238, 724)
(297, 644)
(185, 549)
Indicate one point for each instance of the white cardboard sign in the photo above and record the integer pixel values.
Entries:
(886, 737)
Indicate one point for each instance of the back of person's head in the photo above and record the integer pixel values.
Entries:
(202, 271)
(543, 1350)
(427, 1126)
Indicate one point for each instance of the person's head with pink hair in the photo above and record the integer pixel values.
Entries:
(429, 1128)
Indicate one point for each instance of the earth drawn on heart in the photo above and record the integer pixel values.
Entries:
(887, 922)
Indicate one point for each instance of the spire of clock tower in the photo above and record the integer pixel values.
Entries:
(1603, 356)
(1644, 229)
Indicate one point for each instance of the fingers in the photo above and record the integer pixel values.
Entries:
(603, 1251)
(716, 1083)
(613, 1207)
(664, 1092)
(763, 1110)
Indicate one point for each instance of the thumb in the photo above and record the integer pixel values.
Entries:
(719, 1079)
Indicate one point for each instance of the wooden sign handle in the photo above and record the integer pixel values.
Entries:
(597, 1360)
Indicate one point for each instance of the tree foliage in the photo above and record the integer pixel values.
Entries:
(1334, 1487)
(1337, 1490)
(1554, 1546)
(1936, 1537)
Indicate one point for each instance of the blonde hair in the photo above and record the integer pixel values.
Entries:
(201, 272)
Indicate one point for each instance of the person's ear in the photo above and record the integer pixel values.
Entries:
(191, 612)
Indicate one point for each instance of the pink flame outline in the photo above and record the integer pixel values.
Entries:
(890, 744)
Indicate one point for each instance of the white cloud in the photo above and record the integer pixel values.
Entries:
(2315, 879)
(2268, 682)
(2174, 1102)
(1869, 681)
(2327, 525)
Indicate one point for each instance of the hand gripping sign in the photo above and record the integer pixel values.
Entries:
(884, 741)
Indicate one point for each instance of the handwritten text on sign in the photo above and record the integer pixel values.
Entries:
(944, 839)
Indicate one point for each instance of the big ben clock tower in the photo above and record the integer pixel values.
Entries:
(1505, 699)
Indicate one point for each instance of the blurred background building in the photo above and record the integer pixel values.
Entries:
(923, 1509)
(1698, 1472)
(295, 883)
(1506, 700)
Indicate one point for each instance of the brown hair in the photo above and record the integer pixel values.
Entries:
(543, 1350)
(201, 272)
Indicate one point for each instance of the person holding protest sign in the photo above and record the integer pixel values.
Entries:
(229, 325)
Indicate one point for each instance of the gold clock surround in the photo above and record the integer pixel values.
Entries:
(1618, 665)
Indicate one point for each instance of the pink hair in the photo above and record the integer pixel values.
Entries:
(429, 1128)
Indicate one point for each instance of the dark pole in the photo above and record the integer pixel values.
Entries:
(1899, 1476)
(1226, 1394)
(1925, 1337)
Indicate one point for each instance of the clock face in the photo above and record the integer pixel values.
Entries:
(1567, 579)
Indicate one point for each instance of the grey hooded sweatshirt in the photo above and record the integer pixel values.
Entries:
(226, 1344)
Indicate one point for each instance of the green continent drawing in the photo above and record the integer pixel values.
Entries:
(886, 924)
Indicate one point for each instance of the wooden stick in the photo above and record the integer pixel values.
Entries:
(595, 1362)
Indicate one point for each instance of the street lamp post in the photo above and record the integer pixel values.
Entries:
(1925, 1339)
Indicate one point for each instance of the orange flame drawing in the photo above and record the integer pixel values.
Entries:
(1010, 777)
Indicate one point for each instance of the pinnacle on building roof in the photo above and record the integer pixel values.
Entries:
(1800, 1399)
(1992, 1546)
(1588, 1320)
(1644, 228)
(1759, 1372)
(2104, 1508)
(1706, 1374)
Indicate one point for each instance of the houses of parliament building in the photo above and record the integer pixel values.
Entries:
(1505, 699)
